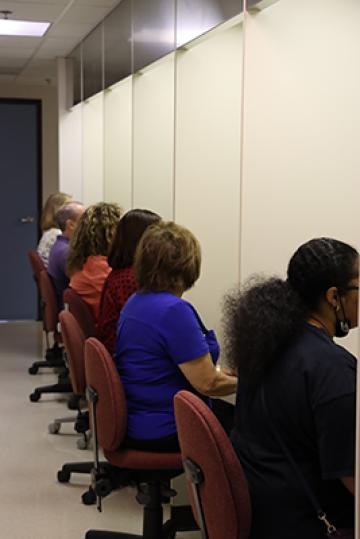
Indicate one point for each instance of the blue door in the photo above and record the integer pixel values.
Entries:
(20, 180)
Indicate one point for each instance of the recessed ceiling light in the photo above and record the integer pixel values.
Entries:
(11, 27)
(22, 28)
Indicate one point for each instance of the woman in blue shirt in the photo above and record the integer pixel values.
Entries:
(162, 345)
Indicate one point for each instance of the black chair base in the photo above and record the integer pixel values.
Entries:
(109, 479)
(64, 475)
(60, 387)
(56, 352)
(54, 358)
(45, 364)
(99, 534)
(181, 519)
(74, 402)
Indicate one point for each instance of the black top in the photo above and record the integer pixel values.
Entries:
(310, 395)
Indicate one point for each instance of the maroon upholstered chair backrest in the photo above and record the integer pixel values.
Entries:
(74, 342)
(224, 492)
(50, 310)
(81, 312)
(37, 264)
(111, 411)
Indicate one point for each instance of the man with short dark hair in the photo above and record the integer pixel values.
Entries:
(66, 219)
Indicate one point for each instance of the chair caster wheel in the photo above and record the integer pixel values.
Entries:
(89, 497)
(54, 428)
(33, 369)
(63, 476)
(103, 487)
(35, 396)
(82, 444)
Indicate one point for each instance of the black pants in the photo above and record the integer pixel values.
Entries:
(224, 411)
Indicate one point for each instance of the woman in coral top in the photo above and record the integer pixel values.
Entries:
(87, 264)
(120, 283)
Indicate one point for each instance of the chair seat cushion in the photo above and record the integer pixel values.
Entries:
(144, 460)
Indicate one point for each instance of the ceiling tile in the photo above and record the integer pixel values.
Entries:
(85, 14)
(7, 73)
(29, 2)
(102, 3)
(15, 53)
(12, 62)
(19, 42)
(52, 50)
(5, 77)
(40, 69)
(78, 30)
(33, 12)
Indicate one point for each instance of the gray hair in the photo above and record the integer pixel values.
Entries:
(68, 211)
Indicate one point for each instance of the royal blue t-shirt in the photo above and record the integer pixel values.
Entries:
(157, 331)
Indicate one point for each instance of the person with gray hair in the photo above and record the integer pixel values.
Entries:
(66, 218)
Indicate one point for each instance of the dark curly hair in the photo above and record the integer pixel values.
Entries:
(261, 318)
(127, 236)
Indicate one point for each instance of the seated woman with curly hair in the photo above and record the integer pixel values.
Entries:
(89, 246)
(295, 411)
(121, 283)
(162, 345)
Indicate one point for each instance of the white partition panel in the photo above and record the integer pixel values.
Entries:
(302, 130)
(153, 138)
(93, 150)
(70, 152)
(208, 141)
(117, 144)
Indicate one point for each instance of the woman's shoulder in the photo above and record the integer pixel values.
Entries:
(318, 346)
(96, 263)
(160, 304)
(329, 369)
(49, 235)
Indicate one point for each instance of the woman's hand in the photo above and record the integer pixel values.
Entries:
(229, 371)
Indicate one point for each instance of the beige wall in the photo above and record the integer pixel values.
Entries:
(254, 174)
(207, 173)
(301, 131)
(48, 97)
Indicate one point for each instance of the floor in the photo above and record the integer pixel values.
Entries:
(33, 505)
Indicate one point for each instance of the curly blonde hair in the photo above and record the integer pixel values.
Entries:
(52, 205)
(93, 234)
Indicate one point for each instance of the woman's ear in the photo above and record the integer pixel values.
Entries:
(332, 297)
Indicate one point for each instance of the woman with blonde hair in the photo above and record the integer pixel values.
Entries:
(87, 264)
(49, 227)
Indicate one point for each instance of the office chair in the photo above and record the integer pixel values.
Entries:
(109, 422)
(50, 320)
(53, 353)
(74, 342)
(81, 311)
(219, 492)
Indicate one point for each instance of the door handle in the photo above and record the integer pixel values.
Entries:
(27, 220)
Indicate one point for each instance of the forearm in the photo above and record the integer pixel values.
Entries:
(221, 385)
